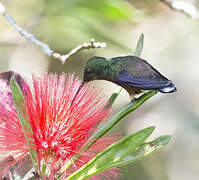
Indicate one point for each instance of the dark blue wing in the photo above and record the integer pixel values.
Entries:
(153, 82)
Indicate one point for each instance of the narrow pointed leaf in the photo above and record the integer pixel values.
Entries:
(144, 150)
(120, 115)
(113, 97)
(22, 115)
(140, 45)
(113, 154)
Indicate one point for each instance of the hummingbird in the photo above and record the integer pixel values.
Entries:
(130, 72)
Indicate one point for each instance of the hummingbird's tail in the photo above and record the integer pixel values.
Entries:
(170, 88)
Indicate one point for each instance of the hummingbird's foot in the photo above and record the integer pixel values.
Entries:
(132, 97)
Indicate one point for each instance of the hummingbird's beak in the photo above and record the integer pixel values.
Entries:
(80, 87)
(85, 78)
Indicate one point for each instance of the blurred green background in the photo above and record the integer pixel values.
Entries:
(171, 45)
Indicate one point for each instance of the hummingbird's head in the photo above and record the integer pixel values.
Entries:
(96, 68)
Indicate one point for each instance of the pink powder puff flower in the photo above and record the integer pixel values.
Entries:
(60, 128)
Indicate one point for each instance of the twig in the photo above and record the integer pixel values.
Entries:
(185, 7)
(89, 45)
(45, 47)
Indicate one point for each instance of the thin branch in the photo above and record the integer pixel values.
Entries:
(89, 45)
(45, 47)
(185, 7)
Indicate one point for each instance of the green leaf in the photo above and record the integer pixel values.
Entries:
(127, 109)
(144, 150)
(22, 115)
(140, 45)
(112, 155)
(113, 97)
(120, 115)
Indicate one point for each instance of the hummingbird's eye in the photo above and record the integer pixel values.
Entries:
(88, 70)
